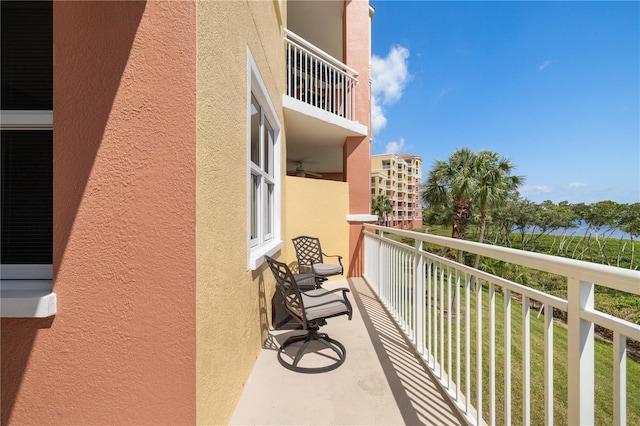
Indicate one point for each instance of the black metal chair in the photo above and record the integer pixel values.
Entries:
(311, 259)
(311, 309)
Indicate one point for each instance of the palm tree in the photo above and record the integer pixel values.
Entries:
(494, 186)
(453, 184)
(381, 206)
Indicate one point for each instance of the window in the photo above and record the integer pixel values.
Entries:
(263, 180)
(26, 157)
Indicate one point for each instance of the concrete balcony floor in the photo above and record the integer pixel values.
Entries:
(382, 381)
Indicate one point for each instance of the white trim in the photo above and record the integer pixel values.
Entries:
(26, 272)
(26, 120)
(27, 304)
(264, 244)
(27, 298)
(353, 128)
(256, 256)
(362, 218)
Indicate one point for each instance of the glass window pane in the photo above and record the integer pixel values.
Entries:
(27, 55)
(26, 193)
(269, 212)
(255, 131)
(255, 205)
(268, 148)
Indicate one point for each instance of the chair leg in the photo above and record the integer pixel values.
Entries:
(300, 352)
(323, 338)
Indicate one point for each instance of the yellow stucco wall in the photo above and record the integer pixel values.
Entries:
(317, 208)
(232, 302)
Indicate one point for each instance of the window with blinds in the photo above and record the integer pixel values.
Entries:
(27, 55)
(26, 139)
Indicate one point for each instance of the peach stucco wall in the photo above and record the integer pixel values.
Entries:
(121, 349)
(357, 150)
(233, 302)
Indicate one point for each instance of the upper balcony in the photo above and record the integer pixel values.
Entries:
(319, 105)
(317, 79)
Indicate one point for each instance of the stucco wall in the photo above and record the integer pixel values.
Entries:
(233, 303)
(121, 349)
(357, 150)
(318, 208)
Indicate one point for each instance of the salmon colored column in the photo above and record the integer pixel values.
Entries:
(121, 349)
(357, 150)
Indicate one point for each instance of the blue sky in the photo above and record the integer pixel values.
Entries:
(553, 86)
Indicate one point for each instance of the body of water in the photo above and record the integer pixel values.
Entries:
(603, 232)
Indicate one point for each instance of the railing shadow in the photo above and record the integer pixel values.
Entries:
(413, 386)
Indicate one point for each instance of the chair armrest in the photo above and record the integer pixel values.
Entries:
(334, 255)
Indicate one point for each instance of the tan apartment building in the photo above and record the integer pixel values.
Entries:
(399, 177)
(146, 151)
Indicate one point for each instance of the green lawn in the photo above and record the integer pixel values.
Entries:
(603, 367)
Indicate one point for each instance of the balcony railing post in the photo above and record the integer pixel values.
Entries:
(581, 348)
(619, 379)
(419, 297)
(381, 264)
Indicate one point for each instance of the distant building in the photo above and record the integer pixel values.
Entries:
(399, 177)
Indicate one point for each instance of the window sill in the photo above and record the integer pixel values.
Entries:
(27, 299)
(257, 254)
(362, 218)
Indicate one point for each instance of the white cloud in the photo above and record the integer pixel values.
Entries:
(532, 190)
(389, 76)
(378, 120)
(544, 65)
(577, 185)
(394, 147)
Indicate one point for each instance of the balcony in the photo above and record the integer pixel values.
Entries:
(319, 105)
(381, 382)
(318, 79)
(412, 359)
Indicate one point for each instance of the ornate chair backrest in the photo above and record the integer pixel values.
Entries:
(288, 287)
(308, 250)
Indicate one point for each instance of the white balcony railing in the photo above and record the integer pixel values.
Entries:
(318, 79)
(423, 293)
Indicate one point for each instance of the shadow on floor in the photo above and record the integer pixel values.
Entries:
(413, 386)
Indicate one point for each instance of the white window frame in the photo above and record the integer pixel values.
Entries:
(26, 120)
(27, 290)
(264, 243)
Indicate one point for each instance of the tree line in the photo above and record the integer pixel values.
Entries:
(479, 190)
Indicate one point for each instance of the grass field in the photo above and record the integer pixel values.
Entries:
(603, 367)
